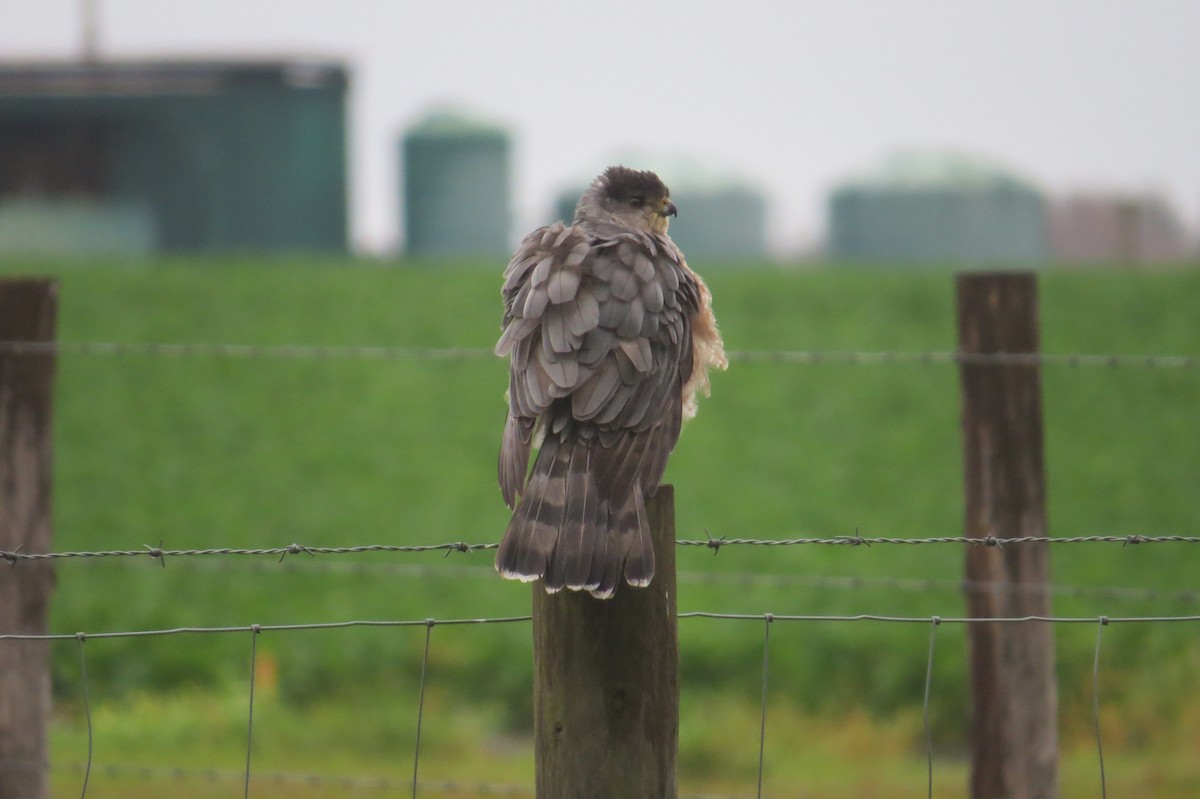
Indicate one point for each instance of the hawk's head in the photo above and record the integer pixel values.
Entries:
(633, 199)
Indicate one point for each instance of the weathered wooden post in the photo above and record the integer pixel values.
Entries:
(1014, 701)
(606, 683)
(28, 309)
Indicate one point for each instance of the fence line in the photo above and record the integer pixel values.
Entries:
(775, 617)
(385, 353)
(742, 579)
(768, 619)
(364, 353)
(715, 544)
(986, 541)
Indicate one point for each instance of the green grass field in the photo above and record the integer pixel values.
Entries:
(210, 451)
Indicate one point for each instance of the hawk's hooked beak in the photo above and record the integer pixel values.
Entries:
(667, 208)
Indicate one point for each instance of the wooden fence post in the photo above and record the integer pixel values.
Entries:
(606, 682)
(28, 309)
(1014, 701)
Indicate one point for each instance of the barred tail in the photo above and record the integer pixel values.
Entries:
(566, 532)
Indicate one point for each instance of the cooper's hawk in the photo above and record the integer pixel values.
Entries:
(611, 337)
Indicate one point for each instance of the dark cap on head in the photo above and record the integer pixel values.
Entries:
(622, 183)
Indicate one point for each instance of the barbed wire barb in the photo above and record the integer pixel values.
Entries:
(714, 544)
(156, 553)
(295, 549)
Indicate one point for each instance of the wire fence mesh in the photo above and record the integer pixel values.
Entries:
(391, 784)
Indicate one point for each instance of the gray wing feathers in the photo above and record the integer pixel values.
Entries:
(514, 457)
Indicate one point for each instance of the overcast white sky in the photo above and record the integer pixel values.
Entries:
(792, 95)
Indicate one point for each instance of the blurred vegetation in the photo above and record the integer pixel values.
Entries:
(208, 451)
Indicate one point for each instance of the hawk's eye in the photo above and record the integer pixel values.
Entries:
(636, 202)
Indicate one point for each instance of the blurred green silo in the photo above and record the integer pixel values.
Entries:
(920, 207)
(457, 199)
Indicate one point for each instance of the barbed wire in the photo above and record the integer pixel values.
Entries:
(160, 554)
(710, 578)
(982, 541)
(246, 351)
(874, 617)
(387, 353)
(967, 358)
(716, 544)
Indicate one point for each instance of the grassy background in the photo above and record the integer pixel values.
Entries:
(210, 451)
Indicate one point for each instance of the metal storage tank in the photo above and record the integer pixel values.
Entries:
(721, 216)
(175, 155)
(933, 206)
(456, 186)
